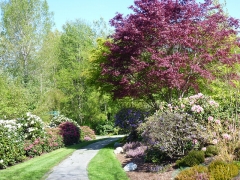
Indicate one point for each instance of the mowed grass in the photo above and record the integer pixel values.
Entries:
(105, 166)
(36, 168)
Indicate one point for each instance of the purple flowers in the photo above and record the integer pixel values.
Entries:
(129, 118)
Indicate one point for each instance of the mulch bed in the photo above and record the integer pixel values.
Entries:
(143, 169)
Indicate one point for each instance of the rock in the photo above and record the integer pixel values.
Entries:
(118, 150)
(130, 167)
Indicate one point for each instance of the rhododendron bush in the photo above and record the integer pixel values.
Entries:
(190, 123)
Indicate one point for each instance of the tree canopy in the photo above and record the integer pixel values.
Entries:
(166, 44)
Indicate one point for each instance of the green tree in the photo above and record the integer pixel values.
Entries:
(24, 25)
(77, 40)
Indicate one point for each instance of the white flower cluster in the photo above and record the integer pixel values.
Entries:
(11, 125)
(57, 120)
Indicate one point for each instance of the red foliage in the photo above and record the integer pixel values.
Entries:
(70, 133)
(168, 44)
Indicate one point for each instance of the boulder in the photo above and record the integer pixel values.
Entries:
(118, 150)
(130, 167)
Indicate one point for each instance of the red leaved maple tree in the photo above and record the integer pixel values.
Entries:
(168, 44)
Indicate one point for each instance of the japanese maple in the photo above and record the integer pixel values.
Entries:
(168, 44)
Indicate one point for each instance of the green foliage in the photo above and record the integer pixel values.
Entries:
(194, 173)
(24, 25)
(220, 170)
(211, 150)
(11, 146)
(70, 133)
(193, 158)
(106, 127)
(13, 101)
(76, 42)
(173, 133)
(154, 155)
(87, 132)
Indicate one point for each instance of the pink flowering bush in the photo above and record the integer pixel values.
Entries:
(199, 106)
(87, 132)
(70, 133)
(52, 141)
(86, 138)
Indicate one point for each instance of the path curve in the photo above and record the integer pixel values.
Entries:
(75, 166)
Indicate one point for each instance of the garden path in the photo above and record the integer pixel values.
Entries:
(75, 166)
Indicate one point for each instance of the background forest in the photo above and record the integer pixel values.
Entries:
(49, 72)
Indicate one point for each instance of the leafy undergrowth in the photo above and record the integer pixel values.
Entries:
(105, 165)
(36, 168)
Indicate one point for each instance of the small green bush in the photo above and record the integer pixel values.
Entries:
(154, 155)
(193, 158)
(211, 150)
(220, 170)
(70, 133)
(107, 127)
(194, 173)
(87, 132)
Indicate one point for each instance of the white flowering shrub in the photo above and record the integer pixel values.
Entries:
(32, 126)
(11, 143)
(57, 120)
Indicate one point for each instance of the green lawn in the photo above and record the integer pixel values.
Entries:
(36, 168)
(105, 166)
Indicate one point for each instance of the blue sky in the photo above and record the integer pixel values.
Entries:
(90, 10)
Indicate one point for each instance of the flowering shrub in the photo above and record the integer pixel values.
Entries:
(87, 132)
(134, 149)
(199, 106)
(224, 134)
(86, 138)
(32, 126)
(129, 118)
(70, 133)
(57, 120)
(11, 145)
(172, 133)
(52, 141)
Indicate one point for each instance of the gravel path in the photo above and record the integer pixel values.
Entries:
(75, 166)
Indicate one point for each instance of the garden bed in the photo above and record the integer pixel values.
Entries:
(143, 169)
